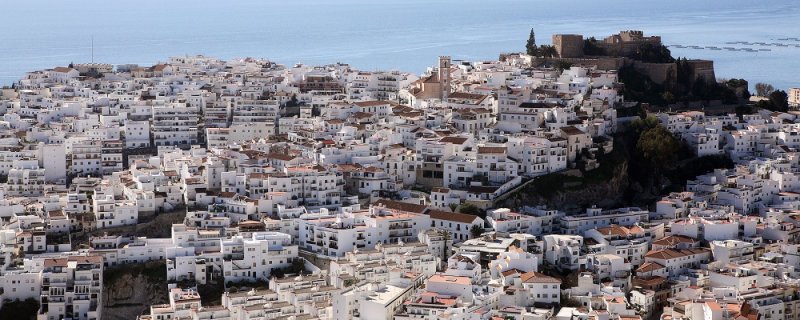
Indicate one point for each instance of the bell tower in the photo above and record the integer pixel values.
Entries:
(444, 76)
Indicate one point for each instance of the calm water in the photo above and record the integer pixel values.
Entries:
(382, 34)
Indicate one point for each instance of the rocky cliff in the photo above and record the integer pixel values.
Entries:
(128, 291)
(573, 191)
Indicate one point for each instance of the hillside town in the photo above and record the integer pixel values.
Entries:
(327, 192)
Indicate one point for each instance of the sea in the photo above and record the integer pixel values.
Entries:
(405, 35)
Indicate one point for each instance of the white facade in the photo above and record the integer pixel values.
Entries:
(257, 257)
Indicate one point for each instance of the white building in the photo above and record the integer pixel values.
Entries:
(71, 287)
(564, 251)
(137, 134)
(256, 257)
(25, 179)
(175, 124)
(112, 212)
(459, 225)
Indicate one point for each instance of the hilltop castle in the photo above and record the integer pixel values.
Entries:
(619, 47)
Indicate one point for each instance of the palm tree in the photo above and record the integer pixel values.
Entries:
(453, 207)
(547, 51)
(476, 230)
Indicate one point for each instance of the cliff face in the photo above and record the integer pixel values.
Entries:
(129, 291)
(623, 179)
(605, 194)
(568, 193)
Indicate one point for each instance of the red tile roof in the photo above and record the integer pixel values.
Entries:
(452, 216)
(535, 277)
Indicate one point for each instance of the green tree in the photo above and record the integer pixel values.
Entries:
(779, 100)
(743, 110)
(469, 208)
(25, 309)
(684, 73)
(547, 51)
(530, 47)
(639, 87)
(297, 266)
(590, 48)
(700, 89)
(668, 97)
(652, 53)
(476, 231)
(658, 147)
(764, 104)
(453, 207)
(563, 65)
(350, 282)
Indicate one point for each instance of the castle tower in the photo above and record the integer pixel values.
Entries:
(444, 76)
(568, 45)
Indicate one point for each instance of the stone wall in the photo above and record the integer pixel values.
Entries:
(568, 45)
(702, 69)
(661, 73)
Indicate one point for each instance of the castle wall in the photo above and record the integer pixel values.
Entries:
(568, 45)
(702, 69)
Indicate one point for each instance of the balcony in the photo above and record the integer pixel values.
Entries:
(399, 226)
(399, 234)
(81, 297)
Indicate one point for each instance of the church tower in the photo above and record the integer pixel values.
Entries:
(444, 76)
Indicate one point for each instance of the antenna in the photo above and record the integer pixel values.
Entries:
(92, 48)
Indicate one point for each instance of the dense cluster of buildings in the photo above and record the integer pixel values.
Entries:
(363, 174)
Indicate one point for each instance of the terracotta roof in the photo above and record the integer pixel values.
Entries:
(466, 95)
(362, 115)
(667, 254)
(673, 240)
(280, 156)
(402, 206)
(86, 259)
(452, 216)
(371, 103)
(571, 131)
(620, 230)
(159, 67)
(57, 262)
(649, 266)
(430, 79)
(511, 271)
(487, 150)
(453, 140)
(535, 277)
